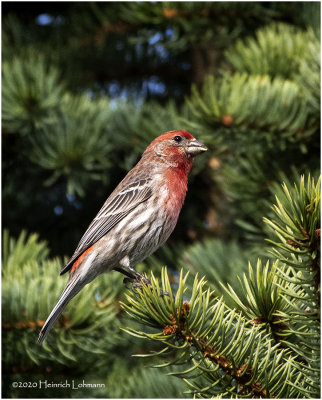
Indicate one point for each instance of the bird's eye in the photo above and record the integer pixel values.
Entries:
(177, 139)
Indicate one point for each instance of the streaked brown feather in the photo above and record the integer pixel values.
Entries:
(120, 203)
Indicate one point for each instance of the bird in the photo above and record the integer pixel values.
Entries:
(135, 220)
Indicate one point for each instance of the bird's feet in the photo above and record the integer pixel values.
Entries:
(138, 282)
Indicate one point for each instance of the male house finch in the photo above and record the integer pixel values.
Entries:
(135, 220)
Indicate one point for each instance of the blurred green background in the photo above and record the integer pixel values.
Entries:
(86, 86)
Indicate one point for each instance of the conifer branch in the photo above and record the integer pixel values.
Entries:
(230, 353)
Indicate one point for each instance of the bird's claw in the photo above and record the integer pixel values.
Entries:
(138, 283)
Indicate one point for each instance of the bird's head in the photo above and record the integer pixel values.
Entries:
(176, 148)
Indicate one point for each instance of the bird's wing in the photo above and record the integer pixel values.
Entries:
(116, 207)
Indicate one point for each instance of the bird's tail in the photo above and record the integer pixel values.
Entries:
(73, 286)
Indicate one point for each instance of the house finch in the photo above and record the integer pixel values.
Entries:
(135, 220)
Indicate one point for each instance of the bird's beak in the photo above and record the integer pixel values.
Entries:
(194, 147)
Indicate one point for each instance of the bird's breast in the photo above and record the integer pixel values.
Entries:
(176, 189)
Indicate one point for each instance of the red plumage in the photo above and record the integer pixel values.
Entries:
(136, 219)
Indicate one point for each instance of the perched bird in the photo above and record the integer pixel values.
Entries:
(136, 219)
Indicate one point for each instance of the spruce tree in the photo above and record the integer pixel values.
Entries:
(85, 87)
